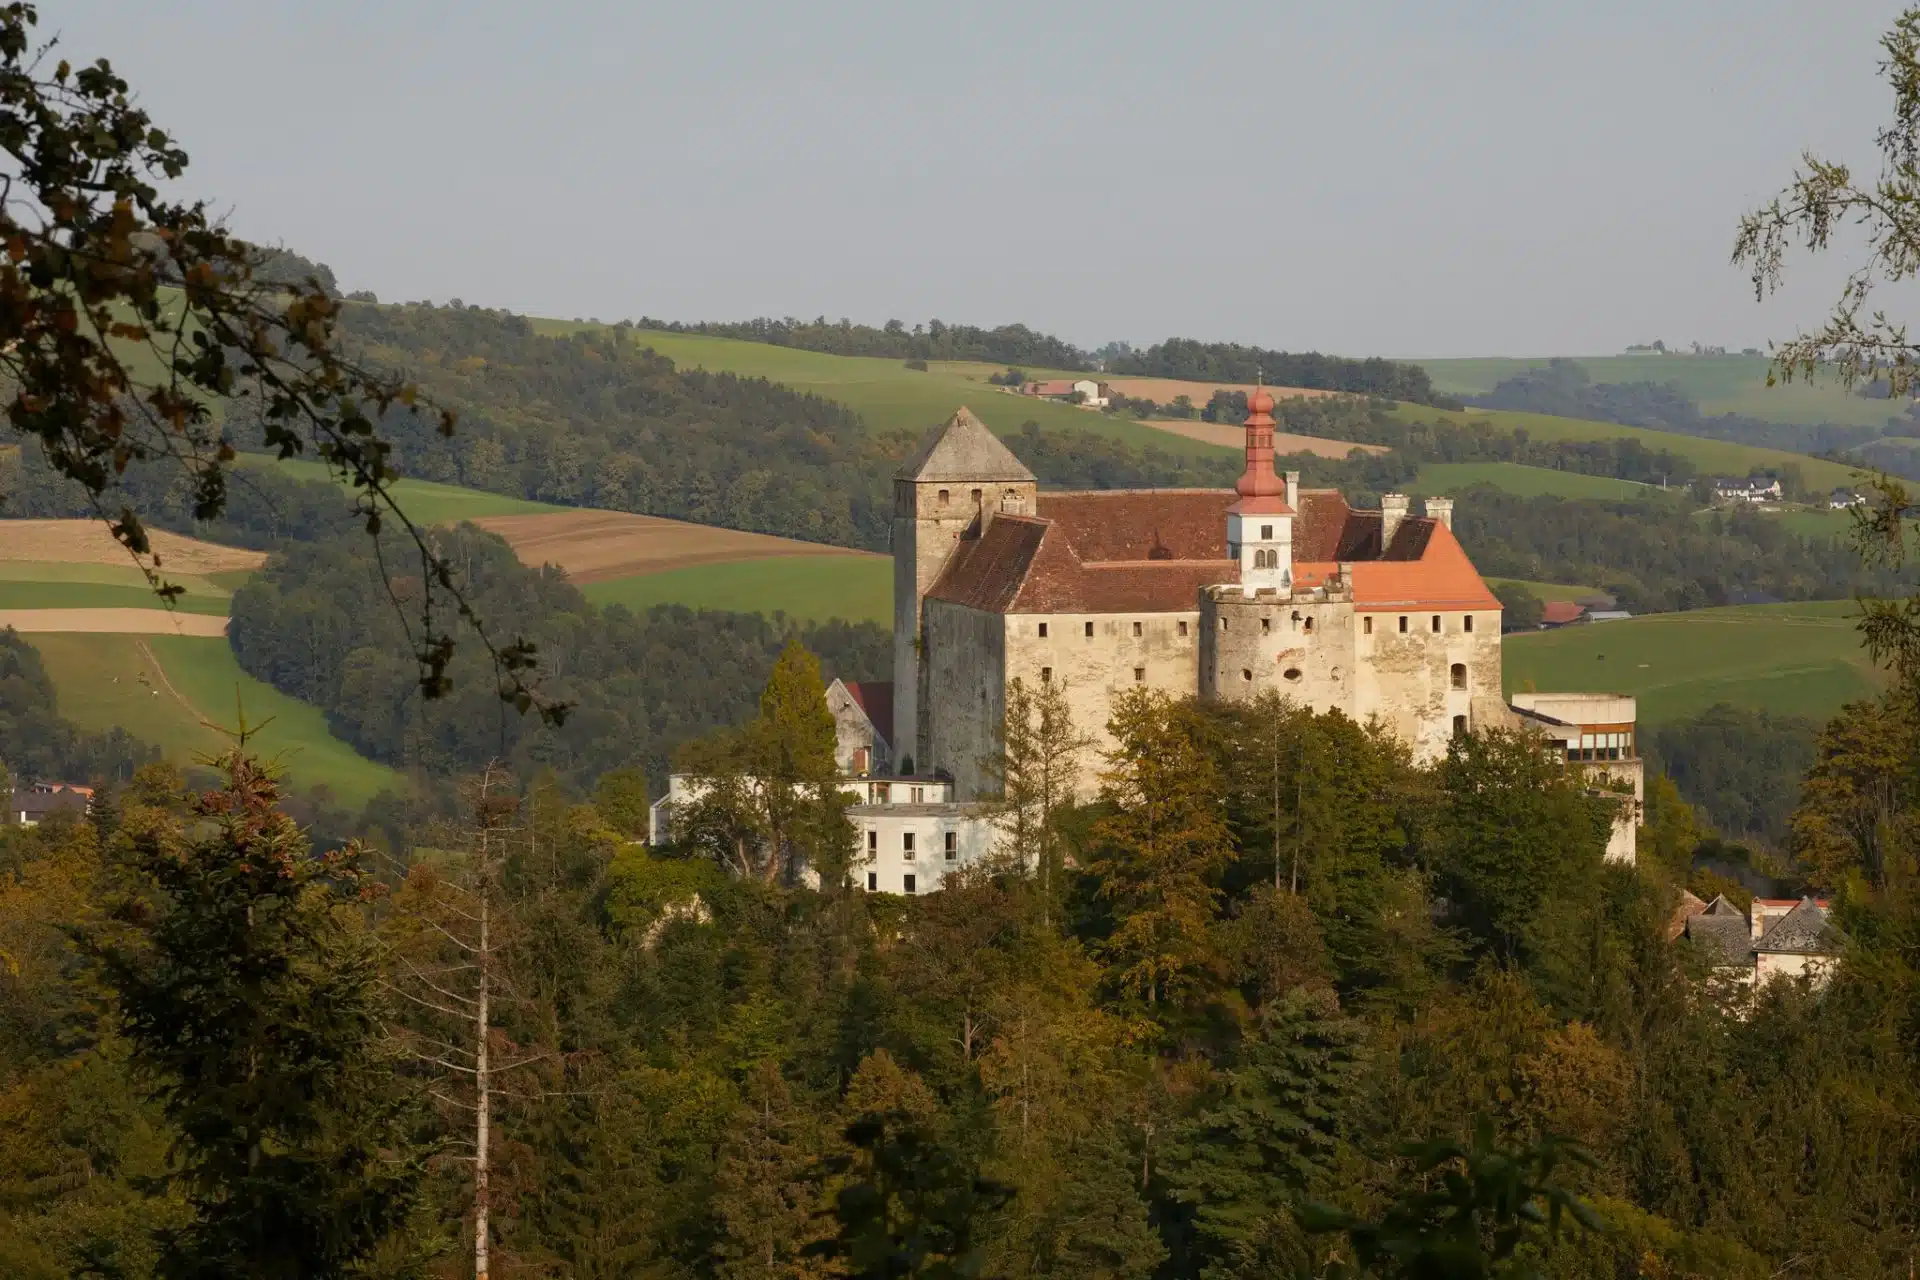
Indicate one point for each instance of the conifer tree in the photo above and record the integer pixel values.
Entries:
(1273, 1139)
(1035, 766)
(1161, 849)
(251, 999)
(763, 1197)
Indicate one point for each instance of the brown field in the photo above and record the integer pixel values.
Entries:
(593, 546)
(1163, 390)
(88, 542)
(139, 622)
(1233, 436)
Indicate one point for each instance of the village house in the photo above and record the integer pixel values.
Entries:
(31, 805)
(1085, 391)
(1773, 938)
(1747, 489)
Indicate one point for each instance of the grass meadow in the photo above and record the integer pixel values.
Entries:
(1527, 482)
(812, 588)
(1797, 659)
(108, 680)
(426, 501)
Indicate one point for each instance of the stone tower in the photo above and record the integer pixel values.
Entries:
(953, 487)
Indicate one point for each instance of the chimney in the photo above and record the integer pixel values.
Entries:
(1293, 491)
(1393, 509)
(1440, 509)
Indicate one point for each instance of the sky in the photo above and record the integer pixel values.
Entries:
(1368, 178)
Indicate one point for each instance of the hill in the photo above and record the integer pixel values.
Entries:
(1526, 482)
(1719, 384)
(1796, 659)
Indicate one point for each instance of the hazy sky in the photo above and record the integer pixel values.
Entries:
(1367, 178)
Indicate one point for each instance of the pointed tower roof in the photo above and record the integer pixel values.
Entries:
(1261, 491)
(963, 449)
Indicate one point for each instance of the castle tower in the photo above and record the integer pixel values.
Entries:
(960, 479)
(1260, 524)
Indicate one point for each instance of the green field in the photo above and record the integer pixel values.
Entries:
(1795, 659)
(1713, 457)
(106, 680)
(1718, 384)
(95, 595)
(891, 396)
(814, 588)
(425, 501)
(1548, 590)
(1527, 482)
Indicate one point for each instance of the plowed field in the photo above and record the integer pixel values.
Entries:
(594, 546)
(88, 542)
(133, 622)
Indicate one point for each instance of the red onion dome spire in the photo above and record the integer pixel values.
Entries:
(1259, 480)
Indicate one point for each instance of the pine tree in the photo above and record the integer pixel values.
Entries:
(1036, 766)
(251, 999)
(762, 1195)
(1275, 1136)
(1161, 849)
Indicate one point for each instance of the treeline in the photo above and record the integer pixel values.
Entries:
(1741, 766)
(1210, 1010)
(1563, 387)
(321, 623)
(1187, 359)
(934, 340)
(37, 744)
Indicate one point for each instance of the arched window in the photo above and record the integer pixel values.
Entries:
(1459, 675)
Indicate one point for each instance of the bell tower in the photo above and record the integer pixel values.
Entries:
(959, 481)
(1260, 524)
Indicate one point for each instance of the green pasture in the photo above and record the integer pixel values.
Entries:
(44, 584)
(812, 588)
(1714, 457)
(1796, 659)
(1527, 482)
(1548, 590)
(106, 680)
(1718, 384)
(892, 397)
(425, 501)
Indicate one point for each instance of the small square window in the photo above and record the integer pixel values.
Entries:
(1089, 627)
(1046, 674)
(873, 881)
(1468, 623)
(1183, 626)
(919, 796)
(976, 495)
(1136, 629)
(1366, 625)
(953, 845)
(1436, 624)
(945, 497)
(1139, 675)
(1043, 631)
(907, 883)
(1266, 533)
(873, 842)
(1403, 624)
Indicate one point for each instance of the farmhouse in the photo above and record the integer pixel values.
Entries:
(1747, 489)
(1220, 593)
(31, 805)
(1081, 390)
(1774, 938)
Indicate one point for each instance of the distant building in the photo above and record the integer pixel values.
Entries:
(1775, 938)
(1841, 499)
(30, 806)
(1090, 392)
(1562, 613)
(1595, 731)
(1608, 615)
(1747, 489)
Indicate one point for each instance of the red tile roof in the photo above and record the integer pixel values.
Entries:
(875, 697)
(1152, 551)
(1560, 612)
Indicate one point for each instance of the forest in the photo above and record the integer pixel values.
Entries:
(1194, 361)
(934, 340)
(1209, 1024)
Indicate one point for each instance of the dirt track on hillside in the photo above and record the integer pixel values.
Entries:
(137, 622)
(593, 546)
(1234, 436)
(88, 542)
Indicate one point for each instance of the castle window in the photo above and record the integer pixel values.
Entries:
(860, 760)
(1403, 624)
(1139, 675)
(1308, 626)
(873, 841)
(916, 795)
(1468, 623)
(1043, 631)
(976, 497)
(1246, 673)
(1291, 673)
(1046, 675)
(873, 881)
(906, 883)
(1089, 631)
(1223, 624)
(906, 845)
(953, 845)
(945, 497)
(1266, 533)
(1266, 626)
(1366, 625)
(1459, 675)
(1183, 626)
(1436, 624)
(1136, 629)
(1459, 726)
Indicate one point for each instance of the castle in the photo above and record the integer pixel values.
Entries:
(1220, 593)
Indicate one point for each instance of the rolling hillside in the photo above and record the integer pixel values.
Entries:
(1793, 659)
(1718, 384)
